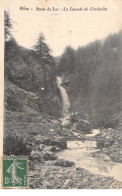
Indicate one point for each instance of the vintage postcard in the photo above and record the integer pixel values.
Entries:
(60, 101)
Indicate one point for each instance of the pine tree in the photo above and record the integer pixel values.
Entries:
(43, 50)
(8, 26)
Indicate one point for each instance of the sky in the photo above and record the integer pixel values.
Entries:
(63, 28)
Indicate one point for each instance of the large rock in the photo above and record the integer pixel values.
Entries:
(100, 144)
(67, 183)
(36, 155)
(83, 125)
(66, 121)
(47, 148)
(55, 149)
(39, 139)
(59, 141)
(75, 117)
(64, 163)
(55, 124)
(41, 147)
(49, 156)
(47, 184)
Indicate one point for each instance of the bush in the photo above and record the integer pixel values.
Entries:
(13, 104)
(14, 145)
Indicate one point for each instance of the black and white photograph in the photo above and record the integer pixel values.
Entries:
(62, 119)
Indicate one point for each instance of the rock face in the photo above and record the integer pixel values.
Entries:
(31, 95)
(110, 143)
(32, 75)
(29, 82)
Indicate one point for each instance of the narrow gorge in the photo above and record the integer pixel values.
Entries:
(64, 112)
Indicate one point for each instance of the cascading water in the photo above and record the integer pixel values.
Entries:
(80, 152)
(64, 96)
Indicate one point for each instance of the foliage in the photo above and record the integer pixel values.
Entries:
(32, 70)
(15, 145)
(95, 85)
(67, 60)
(8, 25)
(43, 50)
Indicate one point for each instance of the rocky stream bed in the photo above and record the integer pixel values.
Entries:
(77, 156)
(56, 163)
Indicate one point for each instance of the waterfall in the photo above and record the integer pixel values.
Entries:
(64, 96)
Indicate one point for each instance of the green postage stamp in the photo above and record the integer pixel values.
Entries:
(15, 172)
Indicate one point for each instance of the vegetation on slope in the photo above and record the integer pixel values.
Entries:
(31, 93)
(93, 75)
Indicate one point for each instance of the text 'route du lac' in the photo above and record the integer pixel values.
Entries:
(65, 9)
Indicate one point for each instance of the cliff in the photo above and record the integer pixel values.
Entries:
(31, 93)
(24, 69)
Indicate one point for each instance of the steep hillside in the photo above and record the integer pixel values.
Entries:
(92, 76)
(24, 69)
(31, 96)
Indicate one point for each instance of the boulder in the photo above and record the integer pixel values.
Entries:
(83, 125)
(64, 163)
(46, 184)
(38, 141)
(59, 141)
(47, 148)
(79, 169)
(75, 117)
(66, 121)
(67, 182)
(41, 147)
(55, 124)
(100, 144)
(52, 130)
(55, 149)
(36, 155)
(49, 156)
